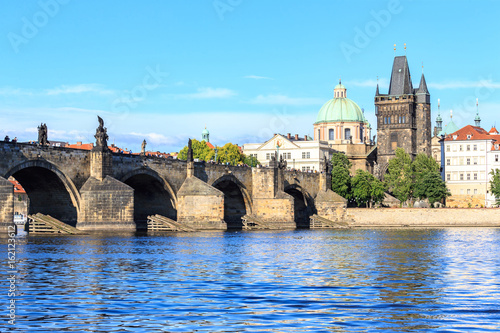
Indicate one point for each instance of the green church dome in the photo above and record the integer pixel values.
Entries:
(205, 131)
(340, 109)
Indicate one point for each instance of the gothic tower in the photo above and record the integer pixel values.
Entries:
(403, 115)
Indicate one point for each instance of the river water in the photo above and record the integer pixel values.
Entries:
(386, 280)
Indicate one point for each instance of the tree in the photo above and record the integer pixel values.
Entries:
(399, 175)
(341, 179)
(230, 153)
(200, 151)
(495, 184)
(367, 189)
(422, 165)
(430, 186)
(250, 160)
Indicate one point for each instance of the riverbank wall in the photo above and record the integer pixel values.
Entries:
(424, 217)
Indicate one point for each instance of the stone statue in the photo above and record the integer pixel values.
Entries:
(42, 135)
(282, 163)
(374, 139)
(350, 139)
(190, 151)
(143, 147)
(327, 165)
(101, 135)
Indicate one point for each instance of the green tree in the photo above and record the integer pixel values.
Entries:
(230, 153)
(200, 151)
(430, 186)
(341, 179)
(495, 184)
(367, 189)
(422, 165)
(399, 175)
(250, 160)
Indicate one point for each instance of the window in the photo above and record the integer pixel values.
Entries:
(468, 176)
(468, 191)
(461, 191)
(448, 162)
(288, 156)
(475, 160)
(448, 148)
(461, 176)
(460, 148)
(331, 134)
(496, 158)
(448, 176)
(496, 146)
(268, 156)
(468, 147)
(347, 133)
(475, 191)
(475, 176)
(404, 119)
(306, 154)
(306, 168)
(319, 134)
(474, 147)
(468, 161)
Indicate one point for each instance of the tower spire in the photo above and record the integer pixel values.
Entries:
(477, 120)
(439, 120)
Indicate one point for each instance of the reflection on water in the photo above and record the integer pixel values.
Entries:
(399, 280)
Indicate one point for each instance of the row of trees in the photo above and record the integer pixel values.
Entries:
(405, 179)
(229, 153)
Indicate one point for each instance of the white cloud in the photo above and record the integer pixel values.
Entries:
(490, 84)
(208, 93)
(79, 89)
(256, 77)
(285, 100)
(61, 90)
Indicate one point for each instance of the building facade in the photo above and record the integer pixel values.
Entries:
(403, 115)
(469, 155)
(300, 153)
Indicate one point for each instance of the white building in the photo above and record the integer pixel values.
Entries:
(300, 153)
(469, 155)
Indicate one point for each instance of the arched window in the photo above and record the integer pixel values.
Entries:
(347, 134)
(331, 134)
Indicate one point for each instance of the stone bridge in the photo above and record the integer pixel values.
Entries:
(101, 190)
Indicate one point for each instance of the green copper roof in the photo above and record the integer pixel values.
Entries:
(477, 117)
(340, 109)
(205, 131)
(439, 118)
(449, 128)
(339, 86)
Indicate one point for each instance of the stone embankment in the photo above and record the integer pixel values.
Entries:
(424, 217)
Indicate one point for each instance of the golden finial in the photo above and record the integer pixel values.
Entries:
(394, 49)
(451, 114)
(439, 103)
(405, 48)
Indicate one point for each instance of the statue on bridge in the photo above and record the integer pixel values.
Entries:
(282, 163)
(327, 166)
(42, 135)
(101, 136)
(190, 151)
(143, 147)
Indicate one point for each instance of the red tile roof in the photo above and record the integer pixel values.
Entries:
(470, 132)
(211, 146)
(79, 145)
(18, 189)
(493, 130)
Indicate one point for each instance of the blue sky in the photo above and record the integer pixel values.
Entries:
(162, 70)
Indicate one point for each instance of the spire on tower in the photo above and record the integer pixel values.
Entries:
(477, 120)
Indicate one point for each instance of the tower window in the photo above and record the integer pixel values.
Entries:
(331, 134)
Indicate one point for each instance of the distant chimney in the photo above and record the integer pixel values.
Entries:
(288, 135)
(79, 143)
(296, 137)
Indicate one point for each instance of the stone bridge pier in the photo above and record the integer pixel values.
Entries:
(99, 190)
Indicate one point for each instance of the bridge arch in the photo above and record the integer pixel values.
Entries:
(303, 204)
(237, 200)
(152, 195)
(49, 190)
